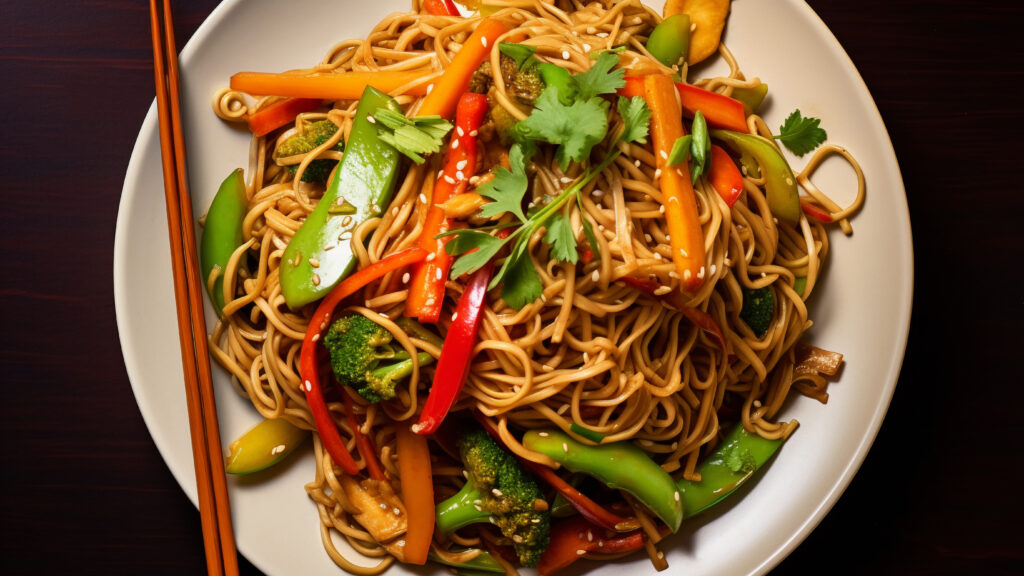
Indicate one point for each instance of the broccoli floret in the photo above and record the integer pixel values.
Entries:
(500, 491)
(362, 356)
(315, 134)
(758, 309)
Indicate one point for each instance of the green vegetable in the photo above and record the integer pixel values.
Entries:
(731, 464)
(482, 563)
(521, 54)
(575, 129)
(314, 134)
(413, 137)
(669, 42)
(222, 232)
(780, 183)
(700, 147)
(681, 150)
(560, 78)
(320, 254)
(587, 433)
(800, 284)
(619, 465)
(500, 491)
(751, 98)
(363, 357)
(758, 309)
(264, 445)
(801, 135)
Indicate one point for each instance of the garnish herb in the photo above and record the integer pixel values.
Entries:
(413, 137)
(801, 135)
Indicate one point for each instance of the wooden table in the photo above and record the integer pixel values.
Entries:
(85, 491)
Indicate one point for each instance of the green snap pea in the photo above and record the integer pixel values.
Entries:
(669, 42)
(780, 183)
(222, 232)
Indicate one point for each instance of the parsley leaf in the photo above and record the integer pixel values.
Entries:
(700, 146)
(507, 188)
(600, 79)
(521, 53)
(576, 128)
(637, 118)
(561, 239)
(522, 284)
(801, 135)
(680, 150)
(475, 247)
(413, 137)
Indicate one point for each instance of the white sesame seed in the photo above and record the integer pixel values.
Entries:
(431, 256)
(394, 211)
(714, 269)
(591, 30)
(663, 154)
(461, 165)
(383, 315)
(483, 40)
(602, 34)
(590, 536)
(662, 290)
(429, 88)
(657, 173)
(460, 131)
(581, 552)
(596, 276)
(455, 144)
(661, 208)
(371, 119)
(597, 193)
(496, 492)
(636, 162)
(315, 337)
(397, 511)
(308, 386)
(657, 256)
(455, 316)
(383, 506)
(686, 275)
(677, 496)
(439, 274)
(474, 133)
(423, 198)
(668, 237)
(543, 434)
(449, 179)
(316, 279)
(405, 278)
(278, 449)
(401, 543)
(565, 447)
(314, 262)
(565, 54)
(565, 179)
(459, 175)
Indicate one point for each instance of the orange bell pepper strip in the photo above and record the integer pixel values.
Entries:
(426, 288)
(573, 537)
(444, 96)
(680, 202)
(719, 111)
(440, 8)
(308, 357)
(270, 118)
(724, 176)
(417, 492)
(332, 86)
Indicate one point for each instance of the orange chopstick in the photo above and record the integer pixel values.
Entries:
(214, 509)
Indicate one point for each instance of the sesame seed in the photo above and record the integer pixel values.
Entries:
(591, 30)
(455, 144)
(431, 256)
(590, 536)
(460, 131)
(314, 262)
(439, 274)
(565, 54)
(462, 164)
(397, 511)
(308, 386)
(565, 447)
(600, 543)
(586, 47)
(455, 316)
(661, 208)
(581, 552)
(394, 211)
(686, 275)
(700, 273)
(596, 275)
(474, 133)
(371, 119)
(597, 193)
(423, 198)
(543, 434)
(483, 40)
(677, 496)
(383, 506)
(602, 34)
(405, 278)
(657, 173)
(316, 279)
(459, 175)
(401, 542)
(663, 154)
(565, 179)
(662, 290)
(278, 449)
(315, 337)
(657, 256)
(764, 275)
(383, 315)
(668, 237)
(429, 88)
(346, 220)
(448, 178)
(636, 162)
(713, 269)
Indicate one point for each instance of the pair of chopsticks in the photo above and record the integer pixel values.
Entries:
(214, 510)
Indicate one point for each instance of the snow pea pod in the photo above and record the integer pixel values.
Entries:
(619, 465)
(731, 464)
(222, 232)
(320, 253)
(780, 183)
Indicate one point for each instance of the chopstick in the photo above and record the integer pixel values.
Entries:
(214, 509)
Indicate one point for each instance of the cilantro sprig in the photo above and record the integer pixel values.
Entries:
(801, 135)
(413, 137)
(575, 126)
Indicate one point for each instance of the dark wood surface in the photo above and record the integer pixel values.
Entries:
(85, 491)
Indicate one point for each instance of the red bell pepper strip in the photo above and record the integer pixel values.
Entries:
(700, 318)
(270, 118)
(679, 200)
(444, 95)
(426, 288)
(318, 324)
(573, 537)
(440, 7)
(724, 176)
(719, 111)
(456, 353)
(816, 212)
(363, 443)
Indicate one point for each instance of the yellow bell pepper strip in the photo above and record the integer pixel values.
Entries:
(727, 468)
(222, 232)
(573, 537)
(680, 202)
(417, 492)
(444, 96)
(669, 42)
(309, 358)
(320, 253)
(331, 86)
(426, 287)
(618, 465)
(780, 183)
(724, 176)
(456, 354)
(719, 111)
(270, 118)
(264, 445)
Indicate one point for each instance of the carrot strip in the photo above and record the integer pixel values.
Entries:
(279, 113)
(719, 111)
(334, 86)
(444, 95)
(687, 238)
(417, 492)
(426, 288)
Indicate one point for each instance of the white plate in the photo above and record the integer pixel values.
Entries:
(863, 309)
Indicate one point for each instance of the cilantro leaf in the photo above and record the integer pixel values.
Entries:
(507, 188)
(413, 137)
(680, 150)
(475, 248)
(522, 54)
(700, 146)
(801, 135)
(521, 284)
(600, 79)
(576, 128)
(637, 118)
(561, 239)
